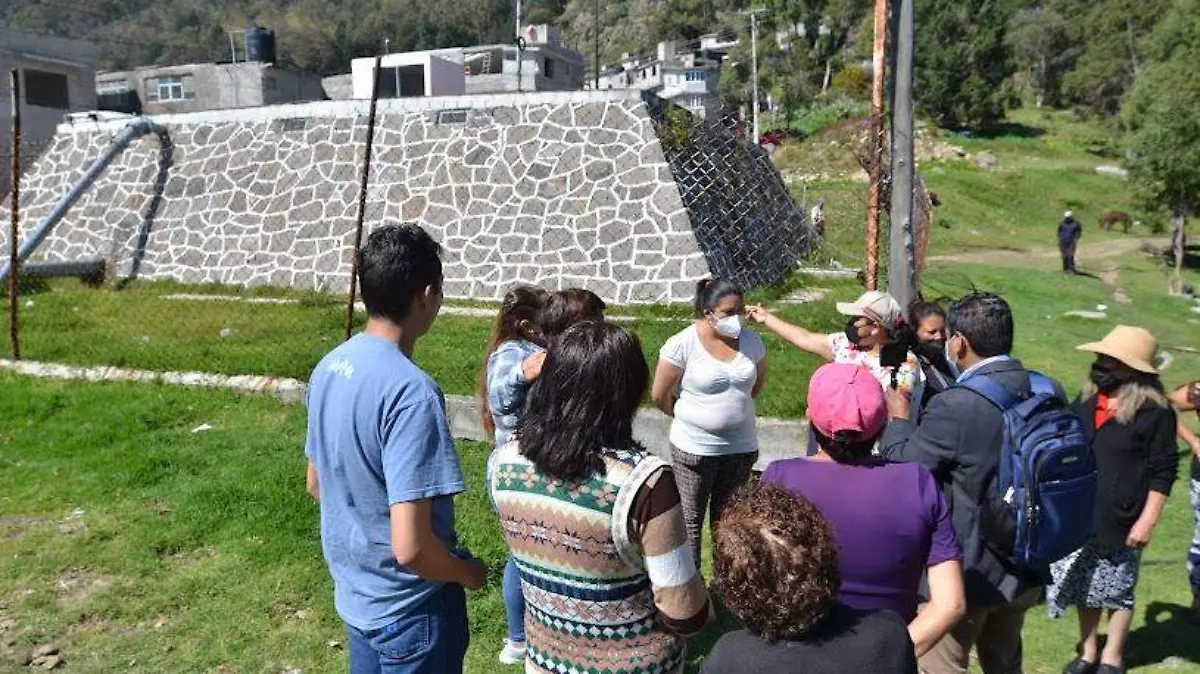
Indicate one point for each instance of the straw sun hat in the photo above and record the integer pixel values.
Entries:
(1135, 347)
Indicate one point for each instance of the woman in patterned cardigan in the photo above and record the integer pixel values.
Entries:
(593, 520)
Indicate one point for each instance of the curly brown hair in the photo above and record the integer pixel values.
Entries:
(775, 562)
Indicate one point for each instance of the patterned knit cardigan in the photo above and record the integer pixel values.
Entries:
(589, 602)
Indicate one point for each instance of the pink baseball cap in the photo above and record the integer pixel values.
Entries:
(846, 398)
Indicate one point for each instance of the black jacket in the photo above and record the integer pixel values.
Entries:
(1069, 231)
(959, 439)
(1132, 459)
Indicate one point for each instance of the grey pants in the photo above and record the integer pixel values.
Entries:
(705, 484)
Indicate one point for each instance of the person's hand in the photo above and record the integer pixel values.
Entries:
(476, 574)
(531, 367)
(1139, 535)
(899, 403)
(757, 313)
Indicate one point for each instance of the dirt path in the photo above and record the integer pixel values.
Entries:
(1088, 250)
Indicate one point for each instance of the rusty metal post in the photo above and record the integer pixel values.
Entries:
(876, 146)
(14, 233)
(362, 196)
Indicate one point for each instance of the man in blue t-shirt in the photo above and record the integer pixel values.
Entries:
(383, 466)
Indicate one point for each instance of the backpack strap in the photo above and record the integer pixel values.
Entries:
(991, 390)
(1040, 384)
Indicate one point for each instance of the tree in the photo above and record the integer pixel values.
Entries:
(962, 62)
(1113, 36)
(1040, 41)
(1160, 111)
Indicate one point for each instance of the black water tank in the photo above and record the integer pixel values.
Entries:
(260, 45)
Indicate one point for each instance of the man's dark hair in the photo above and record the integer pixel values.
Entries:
(397, 262)
(565, 308)
(848, 449)
(584, 401)
(775, 562)
(986, 320)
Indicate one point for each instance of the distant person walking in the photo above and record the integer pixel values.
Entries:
(1069, 232)
(707, 378)
(1131, 425)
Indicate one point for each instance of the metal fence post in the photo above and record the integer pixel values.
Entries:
(15, 232)
(362, 197)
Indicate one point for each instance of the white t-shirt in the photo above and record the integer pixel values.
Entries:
(715, 411)
(909, 376)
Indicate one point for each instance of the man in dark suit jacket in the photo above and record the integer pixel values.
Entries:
(959, 439)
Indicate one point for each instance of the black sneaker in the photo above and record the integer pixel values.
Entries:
(1080, 666)
(1109, 669)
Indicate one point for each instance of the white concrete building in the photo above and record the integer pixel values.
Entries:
(544, 64)
(58, 76)
(689, 78)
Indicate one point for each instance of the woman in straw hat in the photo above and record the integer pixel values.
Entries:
(1132, 429)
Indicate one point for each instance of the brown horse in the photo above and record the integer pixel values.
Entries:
(1111, 218)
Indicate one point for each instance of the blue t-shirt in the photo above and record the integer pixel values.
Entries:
(378, 435)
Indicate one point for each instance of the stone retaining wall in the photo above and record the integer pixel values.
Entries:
(558, 189)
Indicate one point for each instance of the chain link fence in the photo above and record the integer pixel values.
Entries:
(744, 218)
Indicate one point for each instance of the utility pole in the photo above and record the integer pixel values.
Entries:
(14, 262)
(596, 48)
(753, 14)
(901, 274)
(518, 33)
(387, 49)
(875, 165)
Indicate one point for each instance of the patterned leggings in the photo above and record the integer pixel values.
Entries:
(707, 483)
(1194, 552)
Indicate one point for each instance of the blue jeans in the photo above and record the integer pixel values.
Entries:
(1194, 552)
(514, 601)
(432, 639)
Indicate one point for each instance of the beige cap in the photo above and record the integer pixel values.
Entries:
(875, 305)
(1135, 347)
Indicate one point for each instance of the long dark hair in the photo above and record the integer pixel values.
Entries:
(521, 305)
(564, 308)
(921, 309)
(591, 385)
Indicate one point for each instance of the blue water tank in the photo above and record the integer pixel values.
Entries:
(260, 45)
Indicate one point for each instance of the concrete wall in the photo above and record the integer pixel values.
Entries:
(220, 86)
(560, 189)
(74, 59)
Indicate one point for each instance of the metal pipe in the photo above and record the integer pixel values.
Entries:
(362, 199)
(78, 268)
(13, 263)
(876, 140)
(135, 129)
(901, 279)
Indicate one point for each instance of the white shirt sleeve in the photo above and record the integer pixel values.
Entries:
(752, 346)
(675, 351)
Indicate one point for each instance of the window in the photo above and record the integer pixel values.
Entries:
(695, 76)
(47, 90)
(452, 116)
(548, 68)
(113, 87)
(168, 88)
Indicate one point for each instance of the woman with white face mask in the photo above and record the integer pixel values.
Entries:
(707, 378)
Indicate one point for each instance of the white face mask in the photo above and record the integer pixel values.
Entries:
(729, 326)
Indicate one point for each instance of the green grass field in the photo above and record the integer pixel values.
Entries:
(133, 544)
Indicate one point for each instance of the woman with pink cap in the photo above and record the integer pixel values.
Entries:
(891, 521)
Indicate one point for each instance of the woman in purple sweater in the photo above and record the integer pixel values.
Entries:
(891, 522)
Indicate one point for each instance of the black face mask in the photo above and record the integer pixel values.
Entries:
(932, 350)
(852, 332)
(1106, 378)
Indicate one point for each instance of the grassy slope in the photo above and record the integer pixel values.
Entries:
(198, 552)
(1046, 164)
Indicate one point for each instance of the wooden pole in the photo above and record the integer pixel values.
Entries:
(876, 141)
(15, 232)
(362, 196)
(901, 279)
